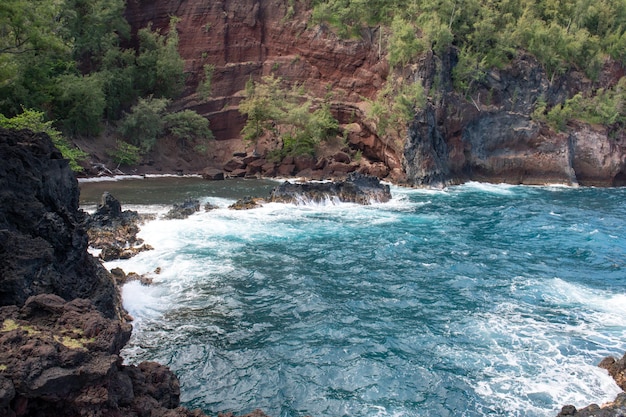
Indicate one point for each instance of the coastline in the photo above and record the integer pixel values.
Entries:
(79, 330)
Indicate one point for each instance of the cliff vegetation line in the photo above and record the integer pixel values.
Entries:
(403, 89)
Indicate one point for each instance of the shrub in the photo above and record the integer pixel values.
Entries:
(189, 126)
(145, 122)
(34, 120)
(125, 154)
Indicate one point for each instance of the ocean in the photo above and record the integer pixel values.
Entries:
(474, 300)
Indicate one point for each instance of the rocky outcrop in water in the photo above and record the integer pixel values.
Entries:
(357, 188)
(115, 231)
(60, 326)
(183, 210)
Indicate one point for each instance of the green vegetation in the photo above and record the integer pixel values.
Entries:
(562, 34)
(34, 120)
(606, 107)
(125, 154)
(150, 119)
(205, 86)
(396, 105)
(63, 61)
(300, 123)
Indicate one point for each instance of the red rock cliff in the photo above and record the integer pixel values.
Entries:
(453, 139)
(251, 38)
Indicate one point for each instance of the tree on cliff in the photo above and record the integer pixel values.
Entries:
(286, 114)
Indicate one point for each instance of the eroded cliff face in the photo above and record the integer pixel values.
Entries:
(486, 135)
(491, 135)
(246, 39)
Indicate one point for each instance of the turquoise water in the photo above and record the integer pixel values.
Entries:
(477, 300)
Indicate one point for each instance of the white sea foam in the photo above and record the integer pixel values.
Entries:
(133, 177)
(504, 189)
(537, 340)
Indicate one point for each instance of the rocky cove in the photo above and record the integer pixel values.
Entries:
(62, 322)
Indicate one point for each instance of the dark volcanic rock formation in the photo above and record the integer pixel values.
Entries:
(183, 210)
(60, 327)
(60, 358)
(115, 231)
(43, 245)
(357, 188)
(493, 135)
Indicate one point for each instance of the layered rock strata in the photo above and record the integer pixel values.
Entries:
(487, 133)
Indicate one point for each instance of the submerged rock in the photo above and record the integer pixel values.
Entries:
(357, 188)
(183, 210)
(246, 203)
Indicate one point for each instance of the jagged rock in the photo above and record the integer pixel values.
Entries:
(62, 358)
(122, 277)
(43, 244)
(617, 408)
(616, 368)
(115, 231)
(357, 188)
(246, 203)
(183, 210)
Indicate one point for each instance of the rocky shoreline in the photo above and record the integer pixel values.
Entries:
(62, 325)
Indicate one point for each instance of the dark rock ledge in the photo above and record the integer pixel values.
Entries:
(61, 321)
(356, 188)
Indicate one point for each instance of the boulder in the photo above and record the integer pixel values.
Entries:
(234, 164)
(213, 174)
(238, 173)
